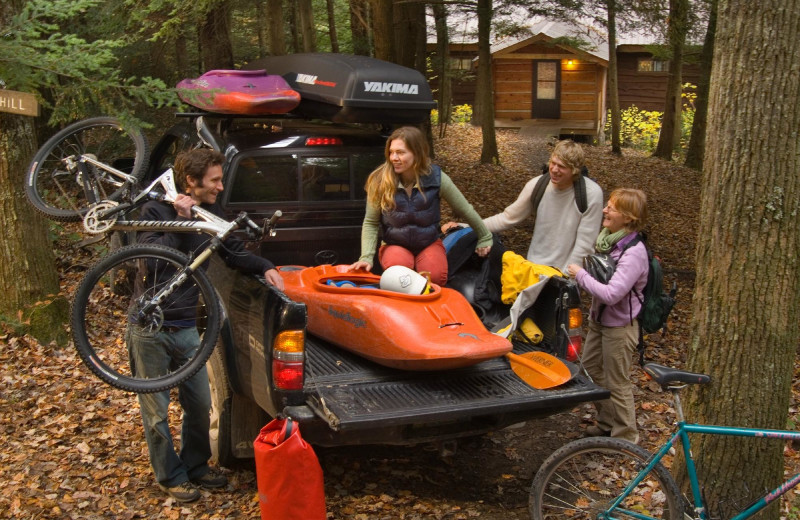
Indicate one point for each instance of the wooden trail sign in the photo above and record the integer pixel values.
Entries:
(18, 103)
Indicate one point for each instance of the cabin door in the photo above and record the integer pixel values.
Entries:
(546, 89)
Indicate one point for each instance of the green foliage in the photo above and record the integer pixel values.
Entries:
(461, 114)
(71, 75)
(639, 129)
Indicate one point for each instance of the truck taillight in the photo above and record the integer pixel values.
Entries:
(288, 360)
(323, 141)
(575, 318)
(574, 335)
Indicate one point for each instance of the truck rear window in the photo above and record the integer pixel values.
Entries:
(296, 178)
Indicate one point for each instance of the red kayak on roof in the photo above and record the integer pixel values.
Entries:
(245, 92)
(434, 331)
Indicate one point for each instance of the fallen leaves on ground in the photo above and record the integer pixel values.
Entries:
(74, 447)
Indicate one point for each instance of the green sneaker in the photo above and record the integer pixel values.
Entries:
(211, 480)
(183, 492)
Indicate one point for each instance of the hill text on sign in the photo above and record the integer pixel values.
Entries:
(18, 103)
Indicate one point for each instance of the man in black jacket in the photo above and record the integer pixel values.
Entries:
(198, 174)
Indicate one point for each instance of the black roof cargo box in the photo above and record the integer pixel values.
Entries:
(352, 89)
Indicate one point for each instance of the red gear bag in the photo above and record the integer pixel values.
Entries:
(290, 483)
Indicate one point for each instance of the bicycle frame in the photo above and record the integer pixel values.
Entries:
(682, 435)
(79, 164)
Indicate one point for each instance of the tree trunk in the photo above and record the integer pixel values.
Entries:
(28, 278)
(307, 28)
(489, 153)
(409, 32)
(613, 84)
(277, 39)
(747, 294)
(183, 69)
(215, 38)
(359, 26)
(440, 66)
(262, 17)
(383, 29)
(332, 27)
(294, 30)
(697, 142)
(669, 136)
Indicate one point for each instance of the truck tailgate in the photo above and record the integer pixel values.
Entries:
(352, 393)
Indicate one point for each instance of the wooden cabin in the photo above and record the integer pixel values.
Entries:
(544, 81)
(557, 80)
(463, 70)
(643, 78)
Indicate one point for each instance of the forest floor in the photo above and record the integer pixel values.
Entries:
(74, 447)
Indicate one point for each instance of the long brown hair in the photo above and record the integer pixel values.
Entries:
(381, 184)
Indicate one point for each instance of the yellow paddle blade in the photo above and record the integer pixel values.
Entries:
(540, 370)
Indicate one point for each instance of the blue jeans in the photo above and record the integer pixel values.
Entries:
(153, 355)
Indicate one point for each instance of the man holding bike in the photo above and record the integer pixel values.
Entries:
(198, 174)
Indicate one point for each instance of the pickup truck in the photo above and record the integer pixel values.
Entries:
(312, 164)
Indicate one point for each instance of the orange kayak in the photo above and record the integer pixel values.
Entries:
(434, 331)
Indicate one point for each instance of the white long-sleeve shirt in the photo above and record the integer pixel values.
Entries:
(561, 234)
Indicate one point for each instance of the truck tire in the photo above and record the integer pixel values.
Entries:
(221, 410)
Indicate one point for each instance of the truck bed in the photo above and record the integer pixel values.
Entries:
(359, 398)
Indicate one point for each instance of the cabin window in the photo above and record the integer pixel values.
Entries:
(461, 63)
(652, 65)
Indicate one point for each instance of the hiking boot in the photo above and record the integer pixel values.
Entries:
(211, 480)
(183, 492)
(596, 431)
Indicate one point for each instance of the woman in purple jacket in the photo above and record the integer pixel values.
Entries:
(613, 329)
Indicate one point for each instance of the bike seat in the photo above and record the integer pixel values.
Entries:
(666, 375)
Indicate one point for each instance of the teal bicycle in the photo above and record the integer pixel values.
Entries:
(604, 478)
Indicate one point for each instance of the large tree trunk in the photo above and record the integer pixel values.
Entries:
(332, 26)
(28, 279)
(215, 38)
(747, 294)
(409, 33)
(277, 39)
(383, 29)
(307, 28)
(697, 142)
(294, 30)
(489, 153)
(671, 122)
(182, 66)
(440, 66)
(359, 27)
(613, 84)
(262, 17)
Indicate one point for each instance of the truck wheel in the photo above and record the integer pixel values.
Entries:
(221, 410)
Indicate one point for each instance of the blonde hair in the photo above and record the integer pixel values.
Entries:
(381, 184)
(631, 204)
(571, 154)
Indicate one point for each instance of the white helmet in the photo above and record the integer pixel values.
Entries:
(401, 279)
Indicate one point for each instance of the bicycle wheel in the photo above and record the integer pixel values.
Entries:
(59, 193)
(582, 478)
(101, 315)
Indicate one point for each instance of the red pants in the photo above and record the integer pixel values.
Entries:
(432, 259)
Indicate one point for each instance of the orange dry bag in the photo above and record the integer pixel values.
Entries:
(290, 484)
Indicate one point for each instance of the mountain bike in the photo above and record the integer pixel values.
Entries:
(87, 162)
(94, 160)
(161, 277)
(605, 478)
